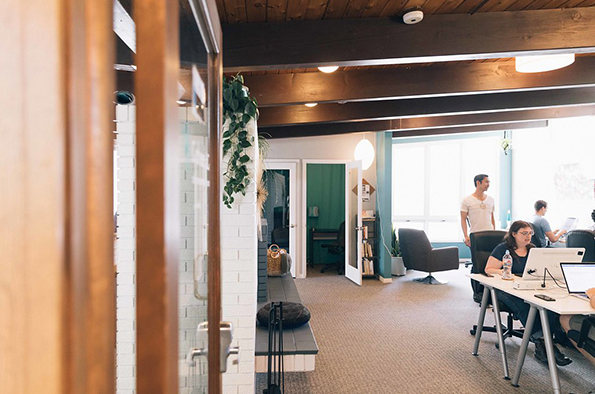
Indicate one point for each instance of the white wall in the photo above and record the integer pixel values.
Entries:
(332, 148)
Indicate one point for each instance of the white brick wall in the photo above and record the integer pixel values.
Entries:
(238, 253)
(125, 251)
(239, 276)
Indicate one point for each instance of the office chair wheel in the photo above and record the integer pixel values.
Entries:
(497, 345)
(473, 332)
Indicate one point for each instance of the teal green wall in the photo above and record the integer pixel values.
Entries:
(506, 188)
(464, 251)
(325, 185)
(383, 198)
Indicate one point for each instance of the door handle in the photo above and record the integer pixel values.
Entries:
(292, 226)
(226, 336)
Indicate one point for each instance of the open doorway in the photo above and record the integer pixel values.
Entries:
(325, 218)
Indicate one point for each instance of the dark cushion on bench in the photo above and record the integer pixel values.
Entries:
(294, 315)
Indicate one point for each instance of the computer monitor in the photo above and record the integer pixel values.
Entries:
(578, 277)
(541, 258)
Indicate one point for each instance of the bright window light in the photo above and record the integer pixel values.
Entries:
(541, 63)
(311, 105)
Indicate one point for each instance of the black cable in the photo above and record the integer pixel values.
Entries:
(531, 272)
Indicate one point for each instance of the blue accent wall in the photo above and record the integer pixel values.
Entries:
(464, 251)
(383, 193)
(505, 188)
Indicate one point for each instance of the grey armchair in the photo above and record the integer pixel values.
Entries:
(419, 255)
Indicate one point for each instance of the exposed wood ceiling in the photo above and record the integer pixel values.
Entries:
(253, 11)
(453, 69)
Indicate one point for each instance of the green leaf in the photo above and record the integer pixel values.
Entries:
(246, 118)
(226, 95)
(244, 159)
(234, 104)
(245, 143)
(251, 110)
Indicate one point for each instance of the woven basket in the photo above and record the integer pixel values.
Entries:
(274, 257)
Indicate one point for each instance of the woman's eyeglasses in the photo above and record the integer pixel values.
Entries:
(525, 233)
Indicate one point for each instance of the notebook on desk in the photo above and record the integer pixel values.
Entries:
(579, 277)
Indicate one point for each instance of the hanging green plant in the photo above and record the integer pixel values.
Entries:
(238, 110)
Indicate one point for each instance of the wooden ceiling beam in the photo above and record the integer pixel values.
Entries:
(411, 108)
(440, 79)
(379, 41)
(428, 122)
(471, 129)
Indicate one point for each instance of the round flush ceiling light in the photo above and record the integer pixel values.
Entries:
(541, 63)
(328, 69)
(311, 105)
(364, 151)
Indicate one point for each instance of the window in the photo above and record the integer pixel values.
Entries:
(431, 177)
(555, 164)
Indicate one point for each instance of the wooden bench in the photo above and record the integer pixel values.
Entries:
(299, 345)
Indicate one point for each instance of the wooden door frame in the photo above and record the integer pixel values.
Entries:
(56, 239)
(158, 219)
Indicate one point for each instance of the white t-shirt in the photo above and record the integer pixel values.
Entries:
(478, 212)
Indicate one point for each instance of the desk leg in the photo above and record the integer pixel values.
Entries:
(549, 347)
(524, 345)
(482, 315)
(499, 331)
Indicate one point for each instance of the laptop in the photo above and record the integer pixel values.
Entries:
(541, 258)
(579, 278)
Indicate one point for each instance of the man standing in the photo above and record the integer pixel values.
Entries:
(542, 227)
(477, 209)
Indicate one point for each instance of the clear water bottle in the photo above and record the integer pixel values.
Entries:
(507, 266)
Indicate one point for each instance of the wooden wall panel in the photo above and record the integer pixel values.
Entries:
(55, 153)
(32, 164)
(158, 218)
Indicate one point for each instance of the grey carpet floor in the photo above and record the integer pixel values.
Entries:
(406, 337)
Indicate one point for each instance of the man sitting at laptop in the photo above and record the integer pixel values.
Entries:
(542, 226)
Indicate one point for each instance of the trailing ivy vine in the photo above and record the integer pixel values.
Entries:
(238, 109)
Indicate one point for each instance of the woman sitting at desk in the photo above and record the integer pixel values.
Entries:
(518, 242)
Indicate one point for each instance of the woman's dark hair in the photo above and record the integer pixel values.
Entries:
(509, 238)
(593, 215)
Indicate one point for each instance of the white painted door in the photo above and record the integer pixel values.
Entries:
(353, 221)
(280, 209)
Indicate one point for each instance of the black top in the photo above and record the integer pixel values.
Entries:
(518, 263)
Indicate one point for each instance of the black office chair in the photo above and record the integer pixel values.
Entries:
(337, 248)
(582, 338)
(482, 245)
(582, 239)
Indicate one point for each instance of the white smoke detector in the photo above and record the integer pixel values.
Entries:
(413, 17)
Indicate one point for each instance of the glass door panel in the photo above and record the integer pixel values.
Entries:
(194, 209)
(279, 210)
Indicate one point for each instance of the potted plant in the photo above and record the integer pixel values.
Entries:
(397, 266)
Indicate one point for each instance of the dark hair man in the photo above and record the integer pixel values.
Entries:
(542, 227)
(477, 209)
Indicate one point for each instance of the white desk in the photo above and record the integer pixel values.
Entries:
(564, 305)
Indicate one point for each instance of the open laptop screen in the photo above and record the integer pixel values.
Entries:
(578, 277)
